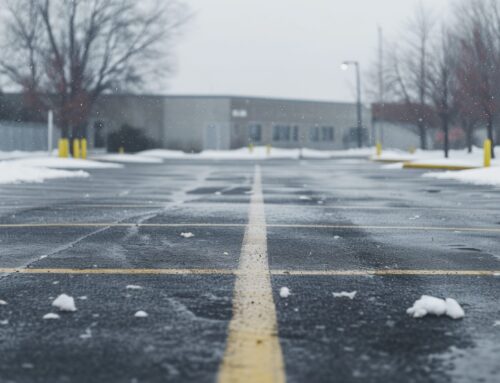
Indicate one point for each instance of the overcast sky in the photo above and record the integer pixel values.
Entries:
(283, 48)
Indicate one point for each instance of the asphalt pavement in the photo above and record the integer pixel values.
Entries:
(117, 243)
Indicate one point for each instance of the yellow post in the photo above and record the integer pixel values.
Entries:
(268, 149)
(63, 147)
(250, 148)
(83, 153)
(76, 148)
(487, 153)
(121, 150)
(379, 149)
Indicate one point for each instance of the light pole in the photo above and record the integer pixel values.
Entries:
(345, 65)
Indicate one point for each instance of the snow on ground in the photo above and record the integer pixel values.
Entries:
(51, 316)
(482, 176)
(436, 306)
(64, 303)
(258, 153)
(345, 294)
(141, 314)
(284, 292)
(187, 235)
(20, 154)
(12, 172)
(64, 163)
(128, 158)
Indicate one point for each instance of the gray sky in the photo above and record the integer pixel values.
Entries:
(283, 48)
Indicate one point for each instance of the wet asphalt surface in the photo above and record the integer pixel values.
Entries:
(323, 339)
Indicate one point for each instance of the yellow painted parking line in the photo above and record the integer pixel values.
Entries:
(253, 351)
(118, 271)
(229, 225)
(383, 272)
(298, 273)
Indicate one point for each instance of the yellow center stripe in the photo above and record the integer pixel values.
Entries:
(253, 352)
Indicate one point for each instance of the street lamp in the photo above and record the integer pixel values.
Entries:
(345, 66)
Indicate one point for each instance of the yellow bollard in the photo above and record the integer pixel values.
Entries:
(63, 147)
(250, 148)
(268, 149)
(487, 153)
(121, 150)
(76, 148)
(83, 144)
(379, 149)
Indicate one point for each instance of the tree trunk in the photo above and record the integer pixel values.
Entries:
(423, 136)
(468, 136)
(444, 120)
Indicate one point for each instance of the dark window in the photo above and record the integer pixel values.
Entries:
(255, 133)
(281, 133)
(295, 133)
(327, 133)
(314, 134)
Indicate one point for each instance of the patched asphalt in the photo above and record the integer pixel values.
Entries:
(322, 215)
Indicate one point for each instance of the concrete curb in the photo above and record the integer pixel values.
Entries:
(411, 165)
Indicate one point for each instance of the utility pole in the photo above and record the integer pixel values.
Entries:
(345, 65)
(50, 131)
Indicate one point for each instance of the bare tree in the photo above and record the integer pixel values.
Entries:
(66, 53)
(442, 84)
(478, 26)
(407, 76)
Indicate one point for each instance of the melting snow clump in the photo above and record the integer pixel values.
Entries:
(436, 306)
(2, 302)
(305, 198)
(64, 303)
(187, 235)
(51, 316)
(284, 292)
(134, 287)
(141, 314)
(345, 294)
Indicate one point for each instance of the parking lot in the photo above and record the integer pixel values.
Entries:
(204, 248)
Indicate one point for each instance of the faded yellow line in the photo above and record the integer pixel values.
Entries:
(118, 271)
(253, 352)
(298, 273)
(292, 226)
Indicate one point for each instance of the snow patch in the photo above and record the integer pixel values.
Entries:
(13, 173)
(187, 235)
(284, 292)
(2, 302)
(51, 316)
(436, 306)
(64, 303)
(134, 287)
(141, 314)
(483, 176)
(345, 294)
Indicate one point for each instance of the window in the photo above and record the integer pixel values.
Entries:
(99, 134)
(314, 134)
(255, 133)
(281, 133)
(295, 133)
(327, 133)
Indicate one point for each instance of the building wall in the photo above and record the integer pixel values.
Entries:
(196, 123)
(27, 136)
(399, 135)
(301, 122)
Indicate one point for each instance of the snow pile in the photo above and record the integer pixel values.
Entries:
(12, 172)
(483, 176)
(284, 292)
(436, 306)
(187, 235)
(2, 302)
(258, 153)
(141, 314)
(129, 158)
(64, 303)
(345, 294)
(20, 154)
(51, 316)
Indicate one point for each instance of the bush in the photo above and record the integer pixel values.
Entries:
(130, 138)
